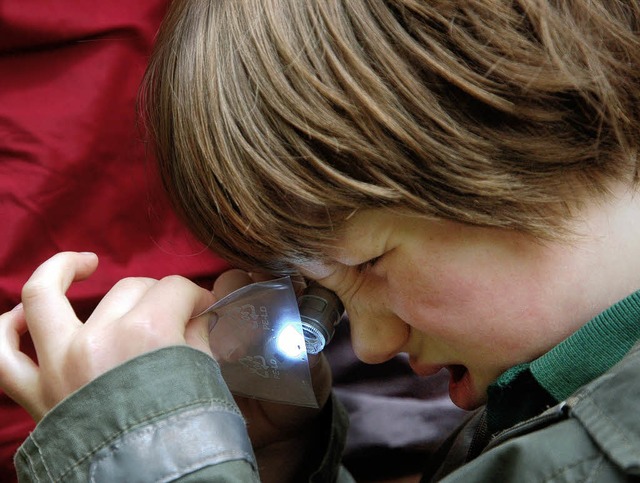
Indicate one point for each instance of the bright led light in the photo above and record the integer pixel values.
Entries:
(290, 342)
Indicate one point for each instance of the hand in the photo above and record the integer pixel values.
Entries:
(282, 435)
(138, 315)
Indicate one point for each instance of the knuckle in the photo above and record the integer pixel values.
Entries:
(147, 334)
(133, 284)
(173, 280)
(142, 324)
(5, 373)
(84, 355)
(33, 289)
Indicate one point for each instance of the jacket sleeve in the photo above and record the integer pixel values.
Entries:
(164, 416)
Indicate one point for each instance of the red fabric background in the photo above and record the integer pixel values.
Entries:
(74, 171)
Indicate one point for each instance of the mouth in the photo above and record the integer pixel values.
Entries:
(457, 372)
(461, 388)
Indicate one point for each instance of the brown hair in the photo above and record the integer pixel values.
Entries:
(274, 120)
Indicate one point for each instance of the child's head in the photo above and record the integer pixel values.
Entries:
(277, 120)
(416, 151)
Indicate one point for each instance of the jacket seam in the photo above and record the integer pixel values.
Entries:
(219, 404)
(42, 461)
(232, 455)
(30, 465)
(596, 471)
(560, 471)
(624, 439)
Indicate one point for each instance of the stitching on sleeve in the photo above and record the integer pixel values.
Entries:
(222, 453)
(223, 405)
(42, 461)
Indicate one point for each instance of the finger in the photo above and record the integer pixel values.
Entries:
(166, 308)
(48, 312)
(297, 281)
(229, 340)
(229, 281)
(19, 374)
(197, 334)
(260, 276)
(299, 284)
(123, 297)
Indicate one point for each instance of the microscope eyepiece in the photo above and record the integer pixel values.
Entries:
(320, 312)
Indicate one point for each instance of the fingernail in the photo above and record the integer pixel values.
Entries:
(17, 307)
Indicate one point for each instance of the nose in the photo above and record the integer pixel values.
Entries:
(376, 336)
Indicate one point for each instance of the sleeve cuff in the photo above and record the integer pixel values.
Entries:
(162, 415)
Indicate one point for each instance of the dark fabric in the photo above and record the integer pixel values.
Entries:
(527, 390)
(166, 415)
(591, 351)
(508, 404)
(592, 436)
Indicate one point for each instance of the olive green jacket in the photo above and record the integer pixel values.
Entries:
(164, 416)
(592, 436)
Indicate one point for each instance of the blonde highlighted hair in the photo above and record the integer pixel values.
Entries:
(274, 120)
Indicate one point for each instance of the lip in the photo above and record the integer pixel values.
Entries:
(424, 370)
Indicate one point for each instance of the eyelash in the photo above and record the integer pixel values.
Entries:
(363, 267)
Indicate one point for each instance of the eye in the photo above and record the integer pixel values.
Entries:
(364, 266)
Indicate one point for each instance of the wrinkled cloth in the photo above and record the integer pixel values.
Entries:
(75, 173)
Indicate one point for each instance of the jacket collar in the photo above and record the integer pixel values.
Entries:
(609, 411)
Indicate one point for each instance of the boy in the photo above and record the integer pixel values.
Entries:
(462, 174)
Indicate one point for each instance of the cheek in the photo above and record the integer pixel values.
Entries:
(466, 306)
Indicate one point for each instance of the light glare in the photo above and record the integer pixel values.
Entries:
(290, 342)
